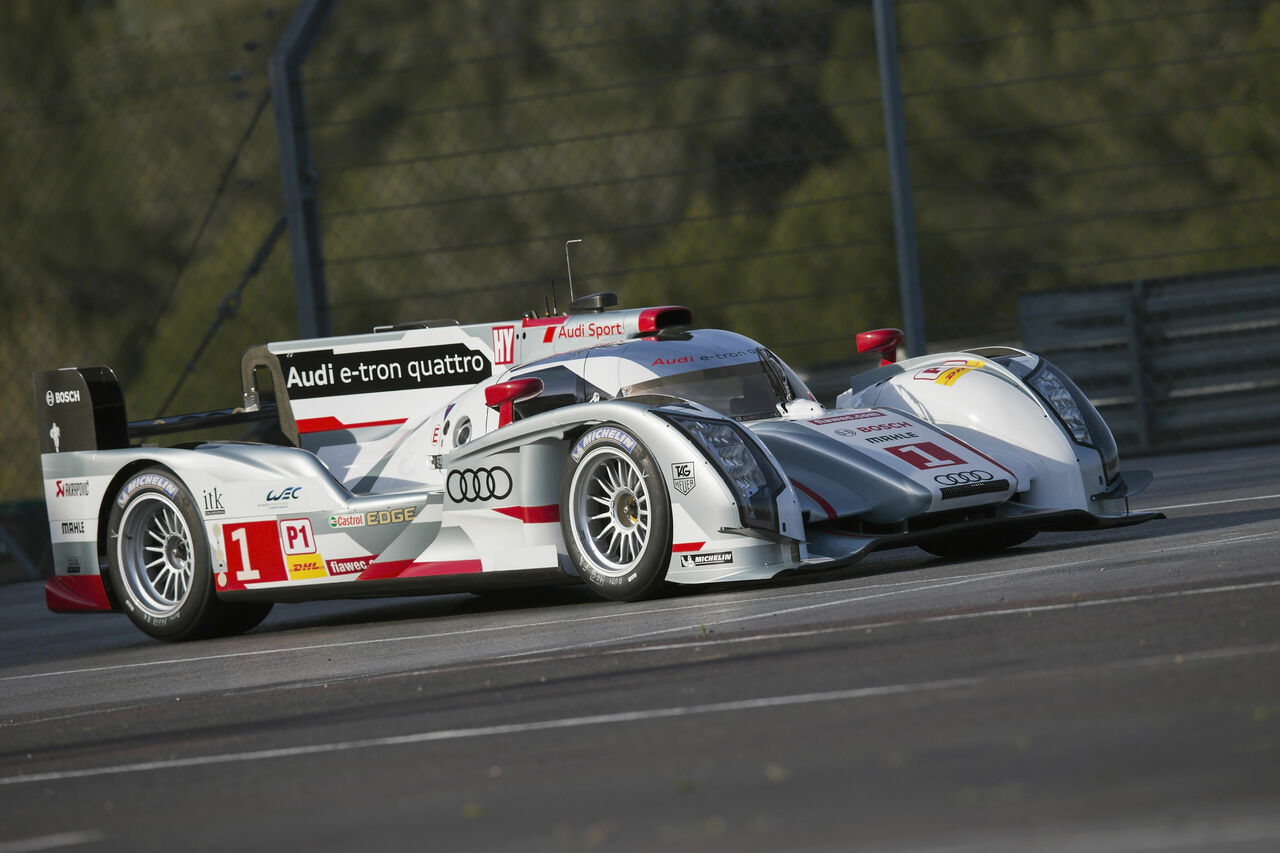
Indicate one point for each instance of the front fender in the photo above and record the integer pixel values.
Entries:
(984, 404)
(708, 541)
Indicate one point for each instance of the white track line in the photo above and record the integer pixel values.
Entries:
(1213, 503)
(791, 700)
(511, 728)
(1228, 540)
(52, 842)
(1180, 833)
(893, 588)
(438, 635)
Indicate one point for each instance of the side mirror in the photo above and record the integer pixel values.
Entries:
(883, 341)
(505, 395)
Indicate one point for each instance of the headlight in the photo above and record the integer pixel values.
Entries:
(1077, 414)
(751, 476)
(1056, 395)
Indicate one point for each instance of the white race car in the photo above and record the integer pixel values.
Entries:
(611, 446)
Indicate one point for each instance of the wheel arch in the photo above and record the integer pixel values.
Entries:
(104, 517)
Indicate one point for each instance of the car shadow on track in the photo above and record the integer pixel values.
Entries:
(288, 617)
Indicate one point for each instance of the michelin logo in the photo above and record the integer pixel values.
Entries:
(693, 561)
(602, 434)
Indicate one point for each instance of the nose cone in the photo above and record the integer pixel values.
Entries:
(835, 480)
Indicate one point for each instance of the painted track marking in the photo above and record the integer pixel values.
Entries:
(876, 591)
(760, 703)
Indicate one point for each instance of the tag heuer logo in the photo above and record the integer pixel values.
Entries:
(682, 477)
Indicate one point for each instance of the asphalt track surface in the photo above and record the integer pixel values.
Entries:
(1115, 690)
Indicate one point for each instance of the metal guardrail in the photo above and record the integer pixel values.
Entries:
(1172, 364)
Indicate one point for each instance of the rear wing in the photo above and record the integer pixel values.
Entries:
(82, 408)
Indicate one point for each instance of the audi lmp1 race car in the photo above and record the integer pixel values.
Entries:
(615, 447)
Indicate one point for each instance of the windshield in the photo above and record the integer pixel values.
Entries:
(747, 391)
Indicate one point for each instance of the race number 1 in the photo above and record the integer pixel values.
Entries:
(925, 455)
(253, 552)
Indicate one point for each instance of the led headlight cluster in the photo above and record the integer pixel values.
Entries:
(751, 476)
(1069, 403)
(1049, 387)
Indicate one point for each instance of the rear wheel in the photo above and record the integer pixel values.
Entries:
(158, 557)
(977, 544)
(616, 515)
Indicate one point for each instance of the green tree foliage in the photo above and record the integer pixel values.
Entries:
(726, 155)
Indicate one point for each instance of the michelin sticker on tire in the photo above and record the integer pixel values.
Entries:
(164, 484)
(599, 434)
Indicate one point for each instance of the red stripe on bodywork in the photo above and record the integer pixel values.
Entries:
(685, 547)
(973, 449)
(75, 594)
(817, 498)
(329, 424)
(532, 514)
(411, 569)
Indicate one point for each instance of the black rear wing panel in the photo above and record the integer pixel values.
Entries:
(82, 408)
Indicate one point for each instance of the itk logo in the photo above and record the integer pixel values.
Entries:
(504, 344)
(212, 500)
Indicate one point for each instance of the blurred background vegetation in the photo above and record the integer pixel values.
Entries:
(723, 154)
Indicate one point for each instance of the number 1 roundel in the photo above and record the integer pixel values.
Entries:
(925, 455)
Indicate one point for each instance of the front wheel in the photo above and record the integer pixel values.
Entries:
(158, 557)
(615, 514)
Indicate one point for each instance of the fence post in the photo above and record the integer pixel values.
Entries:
(297, 172)
(1138, 372)
(904, 217)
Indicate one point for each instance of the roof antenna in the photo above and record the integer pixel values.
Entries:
(568, 267)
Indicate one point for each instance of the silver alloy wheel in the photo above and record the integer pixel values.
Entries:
(611, 513)
(156, 554)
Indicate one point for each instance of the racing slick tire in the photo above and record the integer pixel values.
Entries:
(158, 559)
(976, 544)
(615, 514)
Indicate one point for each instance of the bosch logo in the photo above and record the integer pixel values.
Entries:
(53, 398)
(960, 478)
(480, 484)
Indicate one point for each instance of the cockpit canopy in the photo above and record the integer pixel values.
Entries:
(722, 370)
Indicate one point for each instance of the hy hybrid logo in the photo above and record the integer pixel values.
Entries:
(504, 344)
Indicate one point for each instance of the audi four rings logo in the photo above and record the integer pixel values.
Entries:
(480, 484)
(961, 477)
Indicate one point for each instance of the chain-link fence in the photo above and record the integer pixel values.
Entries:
(731, 156)
(724, 154)
(137, 175)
